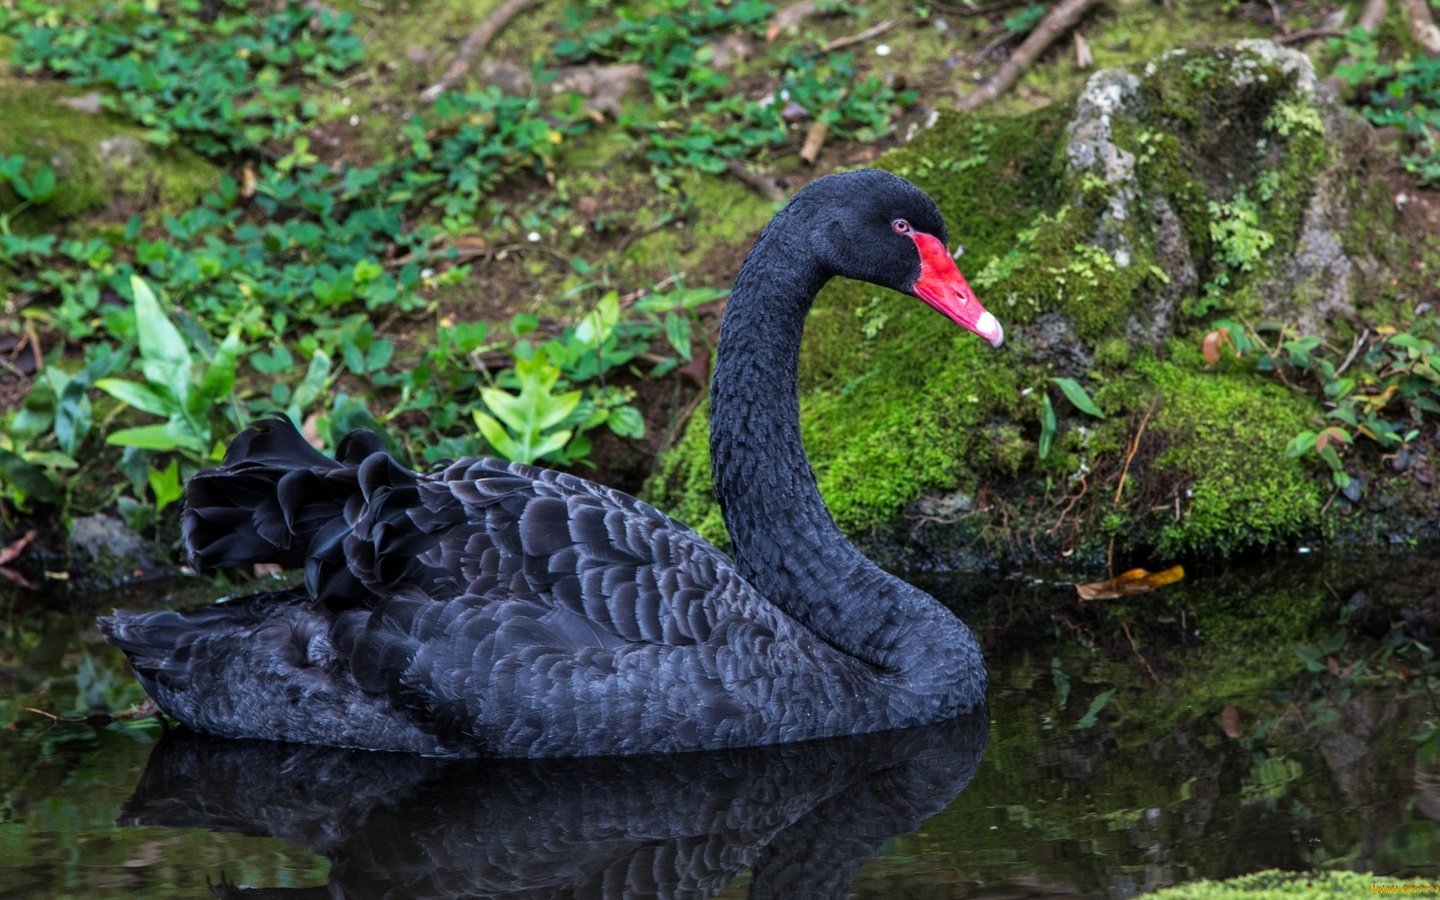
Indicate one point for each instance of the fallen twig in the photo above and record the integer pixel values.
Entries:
(145, 710)
(1354, 349)
(1422, 26)
(1372, 15)
(1059, 20)
(789, 17)
(983, 10)
(766, 187)
(1370, 18)
(1138, 655)
(636, 235)
(873, 31)
(814, 141)
(1134, 448)
(16, 547)
(474, 44)
(1306, 34)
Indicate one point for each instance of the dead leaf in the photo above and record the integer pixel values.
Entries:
(16, 547)
(310, 430)
(814, 140)
(15, 577)
(1210, 347)
(1230, 722)
(90, 103)
(789, 17)
(1084, 59)
(1330, 434)
(1135, 581)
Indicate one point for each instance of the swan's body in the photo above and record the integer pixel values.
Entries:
(500, 609)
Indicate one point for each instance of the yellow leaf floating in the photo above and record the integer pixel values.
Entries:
(1135, 581)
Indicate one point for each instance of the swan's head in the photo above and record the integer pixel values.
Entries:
(882, 229)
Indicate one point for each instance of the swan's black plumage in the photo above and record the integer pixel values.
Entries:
(496, 608)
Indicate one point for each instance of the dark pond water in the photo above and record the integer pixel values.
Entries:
(1282, 716)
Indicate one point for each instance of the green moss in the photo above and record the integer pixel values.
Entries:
(896, 404)
(1225, 435)
(682, 485)
(1274, 884)
(39, 126)
(726, 222)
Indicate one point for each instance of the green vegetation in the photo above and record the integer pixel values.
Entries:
(1403, 91)
(1274, 884)
(294, 240)
(478, 277)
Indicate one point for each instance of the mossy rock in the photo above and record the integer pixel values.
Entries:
(1107, 234)
(98, 158)
(1274, 884)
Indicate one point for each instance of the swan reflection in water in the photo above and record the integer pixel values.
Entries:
(802, 817)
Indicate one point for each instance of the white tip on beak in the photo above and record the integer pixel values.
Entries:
(988, 327)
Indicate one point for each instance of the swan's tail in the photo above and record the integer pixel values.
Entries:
(275, 499)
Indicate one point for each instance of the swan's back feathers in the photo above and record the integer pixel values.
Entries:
(490, 605)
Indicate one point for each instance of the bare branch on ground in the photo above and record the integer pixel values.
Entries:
(1058, 21)
(789, 17)
(814, 141)
(1372, 15)
(875, 30)
(1370, 18)
(474, 44)
(766, 187)
(1422, 26)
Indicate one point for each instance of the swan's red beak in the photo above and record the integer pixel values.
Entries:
(942, 286)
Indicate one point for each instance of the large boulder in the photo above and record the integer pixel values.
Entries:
(1108, 234)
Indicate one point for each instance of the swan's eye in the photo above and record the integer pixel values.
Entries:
(900, 226)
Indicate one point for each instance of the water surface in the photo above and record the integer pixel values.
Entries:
(1280, 716)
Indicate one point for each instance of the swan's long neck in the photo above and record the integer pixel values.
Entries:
(783, 537)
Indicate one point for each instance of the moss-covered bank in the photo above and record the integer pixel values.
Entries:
(1108, 234)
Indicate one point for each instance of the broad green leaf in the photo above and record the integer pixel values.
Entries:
(551, 443)
(164, 357)
(1078, 397)
(677, 332)
(1092, 714)
(72, 414)
(272, 362)
(154, 399)
(220, 376)
(165, 436)
(497, 437)
(52, 459)
(166, 485)
(312, 386)
(30, 479)
(626, 421)
(1301, 444)
(42, 186)
(1047, 428)
(600, 322)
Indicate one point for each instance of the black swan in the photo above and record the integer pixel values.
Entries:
(492, 608)
(803, 818)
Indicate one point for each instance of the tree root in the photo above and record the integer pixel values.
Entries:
(475, 44)
(1059, 20)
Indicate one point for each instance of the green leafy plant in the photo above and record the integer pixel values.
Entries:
(1403, 93)
(188, 392)
(1385, 390)
(1239, 245)
(1078, 397)
(529, 424)
(213, 72)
